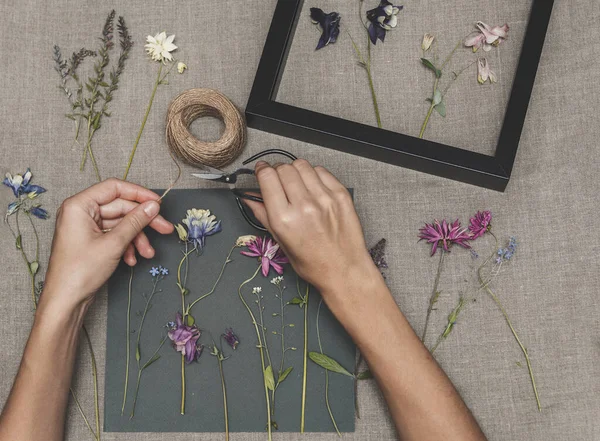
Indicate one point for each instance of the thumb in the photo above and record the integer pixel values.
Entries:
(133, 223)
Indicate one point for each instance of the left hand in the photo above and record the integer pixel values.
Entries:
(83, 257)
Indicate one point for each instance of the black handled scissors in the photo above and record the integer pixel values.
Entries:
(216, 175)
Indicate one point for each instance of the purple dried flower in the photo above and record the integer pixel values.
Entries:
(39, 212)
(20, 184)
(269, 253)
(329, 23)
(383, 18)
(481, 223)
(378, 254)
(446, 233)
(185, 340)
(231, 338)
(200, 224)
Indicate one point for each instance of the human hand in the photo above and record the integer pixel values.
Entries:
(83, 257)
(312, 216)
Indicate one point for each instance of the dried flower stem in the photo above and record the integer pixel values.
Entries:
(260, 348)
(451, 322)
(366, 64)
(225, 411)
(95, 379)
(151, 360)
(127, 344)
(326, 373)
(281, 333)
(305, 355)
(512, 329)
(434, 294)
(227, 260)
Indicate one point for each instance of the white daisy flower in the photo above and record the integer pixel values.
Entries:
(160, 46)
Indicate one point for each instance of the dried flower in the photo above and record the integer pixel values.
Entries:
(277, 280)
(160, 46)
(427, 42)
(378, 254)
(154, 271)
(20, 184)
(485, 37)
(484, 72)
(446, 233)
(505, 254)
(256, 290)
(231, 338)
(268, 252)
(181, 67)
(181, 232)
(185, 340)
(243, 241)
(200, 224)
(480, 223)
(164, 271)
(39, 212)
(329, 23)
(383, 19)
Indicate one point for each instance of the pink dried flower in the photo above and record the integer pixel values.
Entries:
(486, 36)
(481, 223)
(484, 72)
(268, 252)
(185, 339)
(446, 233)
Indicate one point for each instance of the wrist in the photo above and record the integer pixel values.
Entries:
(353, 284)
(57, 306)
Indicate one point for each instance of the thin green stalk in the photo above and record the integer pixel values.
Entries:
(434, 294)
(191, 305)
(137, 140)
(182, 411)
(95, 376)
(226, 416)
(140, 370)
(182, 289)
(456, 75)
(80, 409)
(260, 348)
(326, 373)
(512, 329)
(128, 349)
(283, 348)
(305, 362)
(27, 262)
(430, 111)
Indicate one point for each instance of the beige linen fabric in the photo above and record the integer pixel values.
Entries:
(550, 290)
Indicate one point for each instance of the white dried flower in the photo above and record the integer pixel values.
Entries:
(243, 241)
(256, 290)
(160, 47)
(427, 42)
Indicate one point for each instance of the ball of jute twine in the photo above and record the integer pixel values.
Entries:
(196, 103)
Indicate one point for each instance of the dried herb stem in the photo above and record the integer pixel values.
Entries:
(260, 348)
(434, 294)
(326, 372)
(305, 357)
(95, 379)
(127, 343)
(151, 360)
(225, 411)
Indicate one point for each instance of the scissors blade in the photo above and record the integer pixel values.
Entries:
(211, 174)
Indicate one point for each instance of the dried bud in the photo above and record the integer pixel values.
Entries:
(427, 42)
(181, 232)
(181, 67)
(243, 241)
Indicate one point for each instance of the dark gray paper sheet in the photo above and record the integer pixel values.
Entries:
(158, 403)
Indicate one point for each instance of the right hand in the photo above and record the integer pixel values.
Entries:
(312, 216)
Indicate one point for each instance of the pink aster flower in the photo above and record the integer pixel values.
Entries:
(446, 233)
(486, 36)
(185, 339)
(268, 252)
(480, 223)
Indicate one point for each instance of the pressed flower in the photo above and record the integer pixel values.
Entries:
(39, 212)
(181, 67)
(329, 23)
(20, 184)
(181, 232)
(231, 339)
(277, 280)
(154, 271)
(507, 253)
(268, 252)
(427, 42)
(243, 241)
(484, 72)
(383, 18)
(200, 224)
(164, 271)
(486, 37)
(160, 46)
(185, 340)
(480, 223)
(12, 208)
(445, 232)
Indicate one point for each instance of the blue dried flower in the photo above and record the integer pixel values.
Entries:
(200, 224)
(329, 23)
(39, 212)
(163, 271)
(383, 19)
(154, 271)
(170, 325)
(20, 184)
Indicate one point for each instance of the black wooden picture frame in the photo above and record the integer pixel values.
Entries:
(493, 172)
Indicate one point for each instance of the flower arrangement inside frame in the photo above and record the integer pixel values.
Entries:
(360, 60)
(225, 385)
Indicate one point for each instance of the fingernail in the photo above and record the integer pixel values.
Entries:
(151, 209)
(260, 164)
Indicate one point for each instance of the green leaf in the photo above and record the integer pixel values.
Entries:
(328, 363)
(33, 267)
(152, 360)
(137, 354)
(269, 380)
(296, 301)
(364, 375)
(441, 109)
(284, 375)
(429, 65)
(437, 97)
(103, 84)
(190, 320)
(18, 242)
